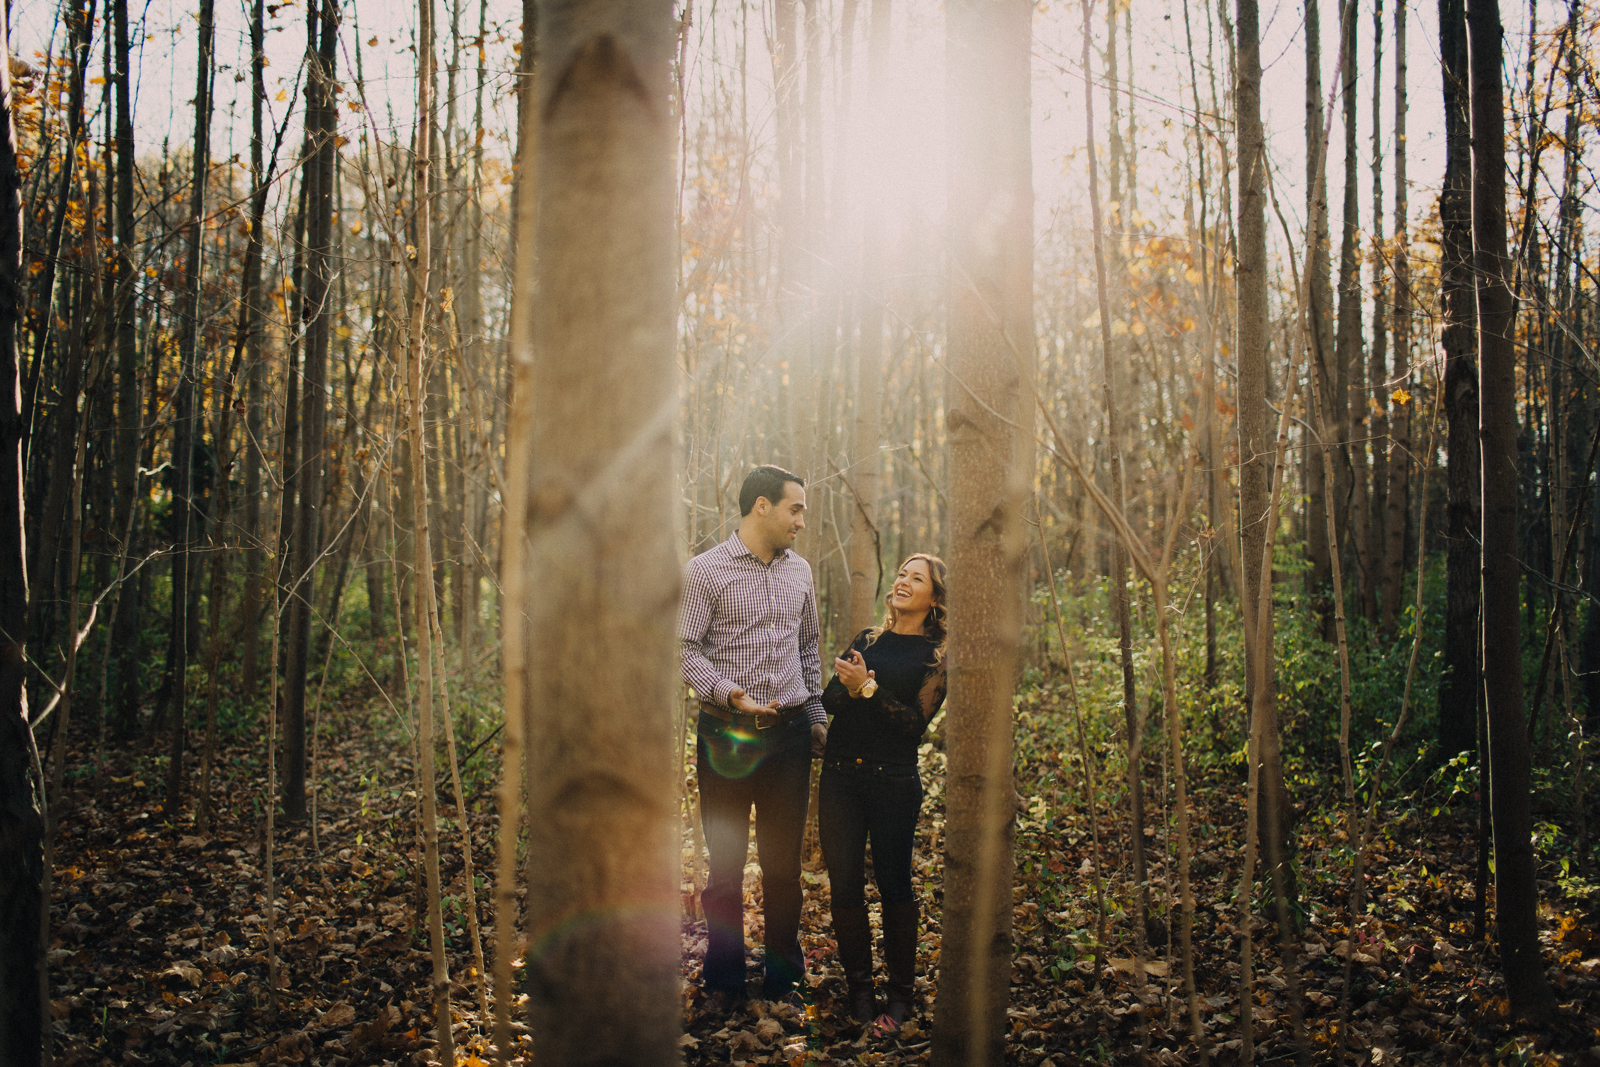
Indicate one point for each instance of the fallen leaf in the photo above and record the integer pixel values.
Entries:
(184, 971)
(341, 1014)
(1155, 967)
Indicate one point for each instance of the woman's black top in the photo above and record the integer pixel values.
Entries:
(887, 726)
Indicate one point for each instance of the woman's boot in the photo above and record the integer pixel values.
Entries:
(900, 958)
(854, 934)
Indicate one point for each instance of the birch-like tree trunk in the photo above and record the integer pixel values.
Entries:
(601, 568)
(988, 393)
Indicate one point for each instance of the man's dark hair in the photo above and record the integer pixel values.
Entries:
(766, 481)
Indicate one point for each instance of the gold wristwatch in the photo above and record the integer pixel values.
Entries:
(868, 687)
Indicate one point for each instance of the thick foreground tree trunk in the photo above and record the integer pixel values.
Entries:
(991, 447)
(601, 586)
(1516, 894)
(21, 825)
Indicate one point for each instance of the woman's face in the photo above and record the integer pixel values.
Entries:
(913, 588)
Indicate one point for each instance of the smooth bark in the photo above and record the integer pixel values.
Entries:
(989, 420)
(601, 586)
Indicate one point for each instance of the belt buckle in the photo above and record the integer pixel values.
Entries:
(771, 719)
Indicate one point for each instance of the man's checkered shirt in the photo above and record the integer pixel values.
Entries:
(751, 625)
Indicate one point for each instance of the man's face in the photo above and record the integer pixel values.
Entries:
(785, 519)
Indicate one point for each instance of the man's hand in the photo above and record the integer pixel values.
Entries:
(738, 701)
(819, 739)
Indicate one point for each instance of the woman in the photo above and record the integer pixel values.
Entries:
(885, 689)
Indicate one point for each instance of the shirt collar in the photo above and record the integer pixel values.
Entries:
(737, 548)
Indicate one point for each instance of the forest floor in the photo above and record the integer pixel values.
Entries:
(158, 946)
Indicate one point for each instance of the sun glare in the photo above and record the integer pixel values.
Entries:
(899, 140)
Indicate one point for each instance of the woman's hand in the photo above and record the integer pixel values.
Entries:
(851, 669)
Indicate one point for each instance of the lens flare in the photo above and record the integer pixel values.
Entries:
(735, 752)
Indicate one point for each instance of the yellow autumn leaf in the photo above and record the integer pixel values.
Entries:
(1401, 397)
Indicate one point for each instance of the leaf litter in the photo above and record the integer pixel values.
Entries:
(158, 938)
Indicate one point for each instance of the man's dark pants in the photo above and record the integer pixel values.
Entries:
(770, 769)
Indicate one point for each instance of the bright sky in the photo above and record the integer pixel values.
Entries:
(899, 153)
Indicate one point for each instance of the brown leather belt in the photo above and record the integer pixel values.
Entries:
(761, 721)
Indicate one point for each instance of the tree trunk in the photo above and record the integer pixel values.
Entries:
(1378, 367)
(316, 318)
(1319, 286)
(183, 447)
(600, 587)
(21, 822)
(1257, 446)
(991, 354)
(1352, 367)
(473, 439)
(1459, 690)
(255, 371)
(1516, 894)
(1398, 496)
(421, 544)
(866, 547)
(513, 543)
(124, 628)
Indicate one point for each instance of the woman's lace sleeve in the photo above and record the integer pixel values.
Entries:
(912, 719)
(933, 690)
(904, 718)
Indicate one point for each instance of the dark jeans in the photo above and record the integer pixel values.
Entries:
(770, 769)
(869, 802)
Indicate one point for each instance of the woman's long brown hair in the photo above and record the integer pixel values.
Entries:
(936, 625)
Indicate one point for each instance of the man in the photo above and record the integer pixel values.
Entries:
(749, 631)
